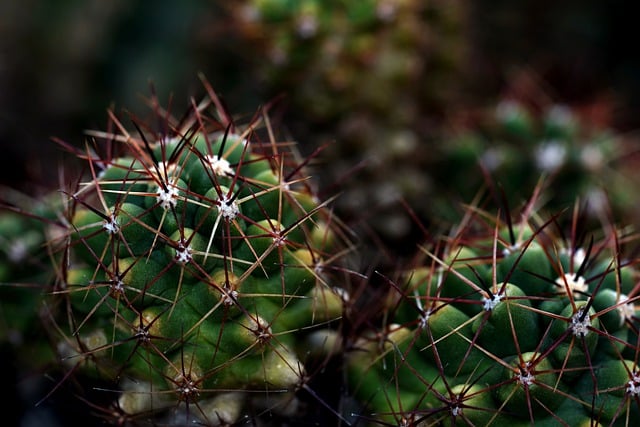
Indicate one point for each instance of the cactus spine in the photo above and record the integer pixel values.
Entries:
(193, 267)
(507, 323)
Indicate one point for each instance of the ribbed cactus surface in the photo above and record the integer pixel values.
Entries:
(507, 323)
(193, 268)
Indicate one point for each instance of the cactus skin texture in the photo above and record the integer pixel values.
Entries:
(193, 269)
(507, 323)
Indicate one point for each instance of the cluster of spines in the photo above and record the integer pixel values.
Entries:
(198, 242)
(513, 325)
(195, 263)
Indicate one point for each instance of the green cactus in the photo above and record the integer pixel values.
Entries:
(26, 222)
(364, 74)
(507, 322)
(194, 265)
(345, 55)
(515, 144)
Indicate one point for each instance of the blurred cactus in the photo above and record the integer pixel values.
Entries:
(507, 321)
(339, 56)
(27, 269)
(508, 149)
(196, 261)
(26, 223)
(367, 77)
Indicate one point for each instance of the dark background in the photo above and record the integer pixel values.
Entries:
(63, 63)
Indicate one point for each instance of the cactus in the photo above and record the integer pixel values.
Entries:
(514, 143)
(194, 271)
(190, 274)
(507, 321)
(364, 74)
(26, 223)
(343, 56)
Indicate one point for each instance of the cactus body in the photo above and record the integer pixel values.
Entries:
(516, 327)
(194, 271)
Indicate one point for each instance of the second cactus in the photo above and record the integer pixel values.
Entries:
(509, 322)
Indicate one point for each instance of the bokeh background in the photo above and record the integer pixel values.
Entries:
(64, 62)
(377, 91)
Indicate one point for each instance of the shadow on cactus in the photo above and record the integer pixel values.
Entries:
(198, 271)
(509, 320)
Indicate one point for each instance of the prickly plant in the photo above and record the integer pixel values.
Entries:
(194, 272)
(26, 223)
(346, 55)
(509, 320)
(362, 74)
(516, 142)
